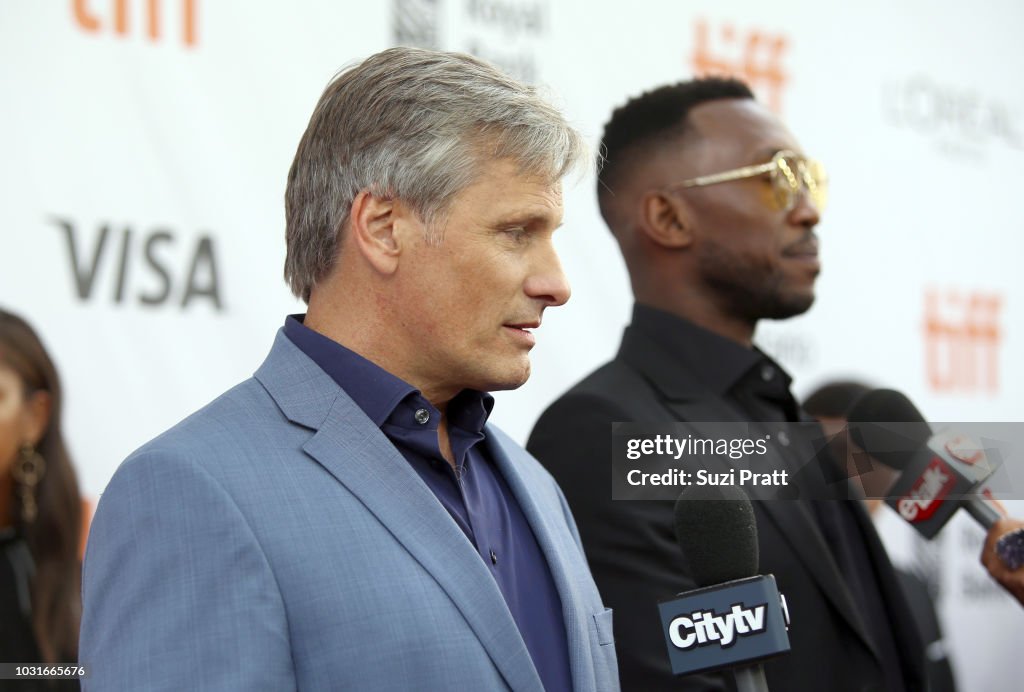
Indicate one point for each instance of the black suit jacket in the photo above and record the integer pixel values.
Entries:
(938, 668)
(636, 562)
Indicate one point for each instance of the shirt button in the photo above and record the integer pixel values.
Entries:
(422, 415)
(494, 558)
(767, 373)
(783, 438)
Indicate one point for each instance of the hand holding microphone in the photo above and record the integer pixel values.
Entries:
(940, 473)
(1003, 555)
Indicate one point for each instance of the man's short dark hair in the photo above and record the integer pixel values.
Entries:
(652, 118)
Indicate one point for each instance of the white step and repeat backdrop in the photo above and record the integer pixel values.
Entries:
(144, 146)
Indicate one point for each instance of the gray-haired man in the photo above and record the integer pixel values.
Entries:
(347, 519)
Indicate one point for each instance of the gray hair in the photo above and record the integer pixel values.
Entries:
(415, 125)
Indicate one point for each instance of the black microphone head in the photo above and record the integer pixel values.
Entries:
(717, 532)
(893, 445)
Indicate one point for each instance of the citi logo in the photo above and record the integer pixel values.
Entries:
(705, 627)
(926, 495)
(169, 273)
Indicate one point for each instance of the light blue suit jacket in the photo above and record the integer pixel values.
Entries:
(276, 540)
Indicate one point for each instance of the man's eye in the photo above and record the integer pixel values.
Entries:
(516, 233)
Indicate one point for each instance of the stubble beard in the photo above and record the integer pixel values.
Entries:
(752, 292)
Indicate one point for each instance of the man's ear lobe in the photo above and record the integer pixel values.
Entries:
(372, 226)
(666, 220)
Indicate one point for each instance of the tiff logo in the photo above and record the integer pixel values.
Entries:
(168, 276)
(962, 338)
(116, 16)
(753, 56)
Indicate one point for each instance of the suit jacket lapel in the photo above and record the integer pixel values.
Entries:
(360, 456)
(798, 528)
(558, 547)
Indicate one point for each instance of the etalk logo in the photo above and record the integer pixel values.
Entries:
(924, 498)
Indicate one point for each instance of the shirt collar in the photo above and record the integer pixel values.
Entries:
(376, 391)
(722, 362)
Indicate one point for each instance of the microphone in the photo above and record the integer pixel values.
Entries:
(886, 425)
(735, 618)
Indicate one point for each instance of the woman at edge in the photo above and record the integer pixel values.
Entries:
(40, 511)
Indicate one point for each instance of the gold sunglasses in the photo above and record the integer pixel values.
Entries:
(788, 172)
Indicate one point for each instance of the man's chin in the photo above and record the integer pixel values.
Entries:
(513, 378)
(790, 306)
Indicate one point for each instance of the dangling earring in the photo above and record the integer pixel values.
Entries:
(27, 472)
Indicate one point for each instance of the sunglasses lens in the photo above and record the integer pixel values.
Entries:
(791, 174)
(817, 183)
(785, 182)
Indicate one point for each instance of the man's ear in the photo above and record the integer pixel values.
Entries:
(374, 229)
(666, 220)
